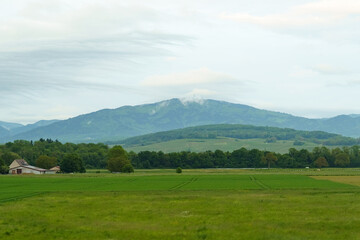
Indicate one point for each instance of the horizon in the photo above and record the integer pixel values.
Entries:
(61, 59)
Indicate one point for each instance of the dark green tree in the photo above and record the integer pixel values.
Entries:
(128, 168)
(342, 160)
(219, 158)
(321, 162)
(269, 158)
(117, 159)
(72, 163)
(4, 169)
(9, 157)
(46, 162)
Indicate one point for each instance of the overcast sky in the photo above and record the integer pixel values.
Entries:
(61, 58)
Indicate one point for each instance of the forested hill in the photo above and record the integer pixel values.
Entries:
(238, 131)
(130, 121)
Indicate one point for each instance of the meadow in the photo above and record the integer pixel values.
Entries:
(197, 204)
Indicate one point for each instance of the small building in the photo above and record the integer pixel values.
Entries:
(20, 166)
(55, 169)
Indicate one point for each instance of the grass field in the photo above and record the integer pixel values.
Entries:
(198, 204)
(352, 180)
(224, 144)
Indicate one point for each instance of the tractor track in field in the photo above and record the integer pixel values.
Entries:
(259, 183)
(19, 197)
(194, 179)
(131, 180)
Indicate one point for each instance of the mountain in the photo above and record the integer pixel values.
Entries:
(10, 126)
(8, 130)
(129, 121)
(29, 127)
(4, 131)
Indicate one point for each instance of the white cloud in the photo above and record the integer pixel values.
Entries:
(320, 13)
(52, 19)
(316, 70)
(201, 92)
(329, 69)
(199, 76)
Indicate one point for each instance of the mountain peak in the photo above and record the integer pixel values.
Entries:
(129, 121)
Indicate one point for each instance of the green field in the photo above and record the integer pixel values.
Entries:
(197, 204)
(224, 144)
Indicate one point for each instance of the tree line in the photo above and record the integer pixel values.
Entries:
(47, 153)
(254, 158)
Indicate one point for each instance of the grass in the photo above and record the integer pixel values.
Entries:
(352, 180)
(224, 144)
(197, 204)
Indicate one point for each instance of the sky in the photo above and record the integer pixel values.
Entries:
(63, 58)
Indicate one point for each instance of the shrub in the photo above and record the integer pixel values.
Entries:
(179, 170)
(4, 169)
(128, 168)
(298, 143)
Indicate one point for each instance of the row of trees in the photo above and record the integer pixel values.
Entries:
(78, 157)
(244, 158)
(117, 161)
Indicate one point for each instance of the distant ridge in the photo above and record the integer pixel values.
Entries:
(239, 131)
(9, 126)
(129, 121)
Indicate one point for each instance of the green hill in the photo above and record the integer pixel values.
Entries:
(228, 137)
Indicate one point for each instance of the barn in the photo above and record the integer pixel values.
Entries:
(20, 166)
(55, 169)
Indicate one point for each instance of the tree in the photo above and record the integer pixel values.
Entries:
(117, 159)
(269, 158)
(178, 170)
(342, 160)
(321, 162)
(46, 162)
(72, 163)
(4, 169)
(219, 158)
(9, 157)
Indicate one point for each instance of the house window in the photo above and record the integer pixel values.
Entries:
(18, 171)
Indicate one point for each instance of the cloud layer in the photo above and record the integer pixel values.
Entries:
(194, 77)
(61, 58)
(313, 14)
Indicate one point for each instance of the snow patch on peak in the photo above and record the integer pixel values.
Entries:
(159, 106)
(5, 127)
(192, 99)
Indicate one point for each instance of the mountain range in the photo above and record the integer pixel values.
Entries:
(129, 121)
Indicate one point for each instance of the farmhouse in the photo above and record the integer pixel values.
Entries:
(20, 166)
(56, 169)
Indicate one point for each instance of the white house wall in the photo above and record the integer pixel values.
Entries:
(26, 170)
